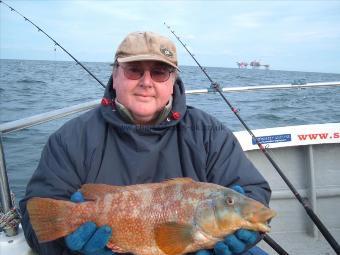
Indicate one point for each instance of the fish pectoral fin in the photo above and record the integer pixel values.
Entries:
(172, 238)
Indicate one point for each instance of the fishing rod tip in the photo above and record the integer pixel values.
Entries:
(167, 26)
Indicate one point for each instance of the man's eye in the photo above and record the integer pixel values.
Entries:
(159, 71)
(134, 70)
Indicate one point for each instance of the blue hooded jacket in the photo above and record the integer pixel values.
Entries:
(100, 147)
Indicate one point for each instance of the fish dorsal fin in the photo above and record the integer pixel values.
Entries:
(172, 238)
(92, 191)
(179, 180)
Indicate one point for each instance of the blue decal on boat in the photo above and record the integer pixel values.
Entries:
(273, 138)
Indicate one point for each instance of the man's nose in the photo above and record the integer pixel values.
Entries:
(146, 80)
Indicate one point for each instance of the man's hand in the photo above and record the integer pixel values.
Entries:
(235, 243)
(88, 239)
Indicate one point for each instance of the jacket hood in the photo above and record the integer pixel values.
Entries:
(110, 114)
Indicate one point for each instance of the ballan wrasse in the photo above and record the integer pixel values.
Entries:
(172, 217)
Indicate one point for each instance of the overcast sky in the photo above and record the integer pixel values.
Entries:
(287, 35)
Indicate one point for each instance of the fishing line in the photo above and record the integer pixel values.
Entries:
(216, 87)
(55, 63)
(55, 42)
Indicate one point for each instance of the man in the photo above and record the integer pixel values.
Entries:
(142, 132)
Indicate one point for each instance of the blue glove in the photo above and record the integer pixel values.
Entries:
(235, 243)
(88, 239)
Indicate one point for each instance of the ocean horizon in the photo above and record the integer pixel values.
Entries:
(227, 67)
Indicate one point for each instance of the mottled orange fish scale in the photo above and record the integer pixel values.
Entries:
(133, 213)
(146, 219)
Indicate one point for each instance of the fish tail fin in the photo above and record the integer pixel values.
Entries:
(52, 219)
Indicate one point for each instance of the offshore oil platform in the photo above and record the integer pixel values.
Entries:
(254, 65)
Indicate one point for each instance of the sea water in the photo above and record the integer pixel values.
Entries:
(29, 87)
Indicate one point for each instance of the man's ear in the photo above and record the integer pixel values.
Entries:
(175, 77)
(114, 75)
(114, 72)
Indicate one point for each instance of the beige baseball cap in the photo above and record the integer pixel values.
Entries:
(139, 46)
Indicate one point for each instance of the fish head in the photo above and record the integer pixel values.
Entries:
(226, 211)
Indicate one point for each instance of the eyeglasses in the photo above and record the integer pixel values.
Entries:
(157, 73)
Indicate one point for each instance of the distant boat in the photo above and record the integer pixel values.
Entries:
(254, 64)
(242, 64)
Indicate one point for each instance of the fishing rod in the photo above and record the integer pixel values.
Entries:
(276, 247)
(214, 85)
(55, 42)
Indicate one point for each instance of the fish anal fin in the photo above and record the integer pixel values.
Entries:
(92, 191)
(115, 248)
(172, 238)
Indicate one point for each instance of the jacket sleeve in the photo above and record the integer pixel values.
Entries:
(58, 175)
(228, 165)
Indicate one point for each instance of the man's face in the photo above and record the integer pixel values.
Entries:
(147, 95)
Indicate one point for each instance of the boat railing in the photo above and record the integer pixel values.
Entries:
(12, 126)
(60, 113)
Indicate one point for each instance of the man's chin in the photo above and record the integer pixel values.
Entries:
(144, 117)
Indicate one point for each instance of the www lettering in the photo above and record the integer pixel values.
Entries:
(316, 136)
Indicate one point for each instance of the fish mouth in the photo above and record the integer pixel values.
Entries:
(266, 214)
(262, 227)
(259, 219)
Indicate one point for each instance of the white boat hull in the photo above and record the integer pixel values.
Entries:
(310, 159)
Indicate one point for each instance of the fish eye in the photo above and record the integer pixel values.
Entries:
(230, 201)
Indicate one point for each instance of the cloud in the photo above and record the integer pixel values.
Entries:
(309, 35)
(214, 30)
(249, 20)
(115, 9)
